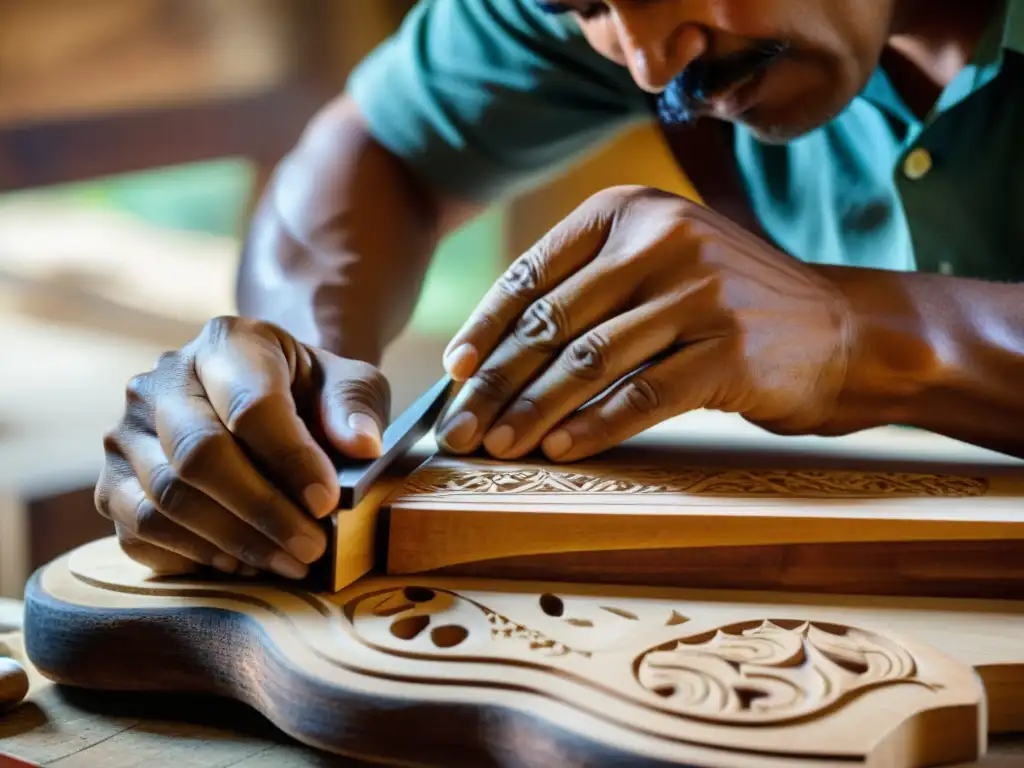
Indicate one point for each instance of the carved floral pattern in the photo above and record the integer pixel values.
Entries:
(482, 479)
(771, 669)
(755, 671)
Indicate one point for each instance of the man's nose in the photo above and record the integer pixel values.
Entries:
(657, 43)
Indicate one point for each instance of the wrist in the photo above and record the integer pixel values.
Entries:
(893, 345)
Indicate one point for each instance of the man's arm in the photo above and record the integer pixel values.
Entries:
(470, 101)
(939, 353)
(342, 238)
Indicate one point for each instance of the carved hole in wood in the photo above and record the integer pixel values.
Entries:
(552, 605)
(448, 636)
(419, 594)
(409, 627)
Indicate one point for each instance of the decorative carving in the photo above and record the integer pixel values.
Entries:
(441, 481)
(442, 611)
(756, 671)
(610, 674)
(768, 670)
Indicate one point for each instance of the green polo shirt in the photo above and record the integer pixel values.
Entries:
(485, 98)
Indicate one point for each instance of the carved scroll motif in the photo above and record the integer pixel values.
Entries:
(771, 669)
(757, 671)
(707, 482)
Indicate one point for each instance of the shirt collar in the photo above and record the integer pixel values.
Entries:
(1005, 32)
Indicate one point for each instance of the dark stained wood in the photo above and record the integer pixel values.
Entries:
(978, 569)
(223, 653)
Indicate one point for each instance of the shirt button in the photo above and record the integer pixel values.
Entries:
(917, 164)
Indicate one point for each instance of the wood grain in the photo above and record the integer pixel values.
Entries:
(711, 502)
(497, 672)
(986, 569)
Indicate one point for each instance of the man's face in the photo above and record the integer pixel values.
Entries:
(780, 67)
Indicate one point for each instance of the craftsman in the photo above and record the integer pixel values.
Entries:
(865, 274)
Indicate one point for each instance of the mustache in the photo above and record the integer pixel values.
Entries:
(689, 94)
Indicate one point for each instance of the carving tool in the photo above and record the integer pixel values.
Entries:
(404, 432)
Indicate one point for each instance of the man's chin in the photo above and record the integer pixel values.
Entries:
(776, 129)
(763, 126)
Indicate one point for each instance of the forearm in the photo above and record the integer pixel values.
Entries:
(341, 240)
(938, 353)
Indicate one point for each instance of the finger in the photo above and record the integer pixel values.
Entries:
(247, 379)
(199, 515)
(354, 405)
(206, 457)
(684, 381)
(559, 254)
(547, 326)
(163, 562)
(586, 368)
(162, 543)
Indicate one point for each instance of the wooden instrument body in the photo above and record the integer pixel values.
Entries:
(435, 671)
(433, 668)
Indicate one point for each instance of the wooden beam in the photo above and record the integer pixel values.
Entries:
(261, 126)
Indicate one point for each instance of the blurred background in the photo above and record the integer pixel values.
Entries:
(134, 137)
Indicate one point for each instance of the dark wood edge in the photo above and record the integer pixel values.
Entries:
(261, 126)
(220, 652)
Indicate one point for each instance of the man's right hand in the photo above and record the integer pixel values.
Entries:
(219, 459)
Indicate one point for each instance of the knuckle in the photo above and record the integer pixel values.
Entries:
(192, 451)
(525, 276)
(112, 443)
(148, 522)
(544, 326)
(642, 396)
(167, 489)
(217, 329)
(367, 389)
(247, 409)
(492, 384)
(587, 358)
(618, 194)
(169, 360)
(138, 389)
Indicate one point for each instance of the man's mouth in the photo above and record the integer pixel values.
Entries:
(723, 87)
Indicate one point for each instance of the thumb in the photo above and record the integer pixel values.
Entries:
(355, 401)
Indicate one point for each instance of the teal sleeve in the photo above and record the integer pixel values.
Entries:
(485, 97)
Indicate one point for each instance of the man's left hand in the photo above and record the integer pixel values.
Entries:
(655, 306)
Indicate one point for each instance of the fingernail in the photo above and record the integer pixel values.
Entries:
(319, 500)
(366, 425)
(285, 565)
(225, 563)
(557, 444)
(461, 362)
(306, 548)
(247, 570)
(499, 440)
(458, 432)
